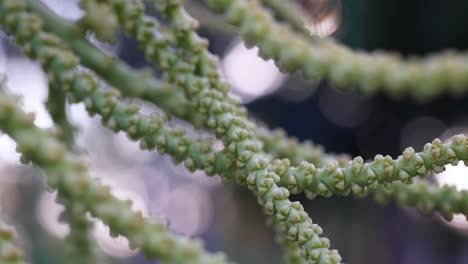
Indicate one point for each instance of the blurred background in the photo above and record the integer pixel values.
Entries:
(225, 216)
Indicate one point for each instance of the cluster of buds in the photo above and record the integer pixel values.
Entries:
(320, 59)
(9, 253)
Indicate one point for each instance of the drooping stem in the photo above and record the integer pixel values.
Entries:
(79, 241)
(422, 78)
(56, 106)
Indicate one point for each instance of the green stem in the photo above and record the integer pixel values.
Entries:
(56, 106)
(79, 240)
(426, 196)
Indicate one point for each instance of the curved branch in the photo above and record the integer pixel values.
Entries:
(422, 78)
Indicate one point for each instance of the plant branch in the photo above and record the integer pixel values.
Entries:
(423, 78)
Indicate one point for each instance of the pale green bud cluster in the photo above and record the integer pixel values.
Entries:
(426, 197)
(446, 200)
(356, 176)
(197, 56)
(9, 253)
(99, 19)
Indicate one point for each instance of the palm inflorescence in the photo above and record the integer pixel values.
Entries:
(191, 87)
